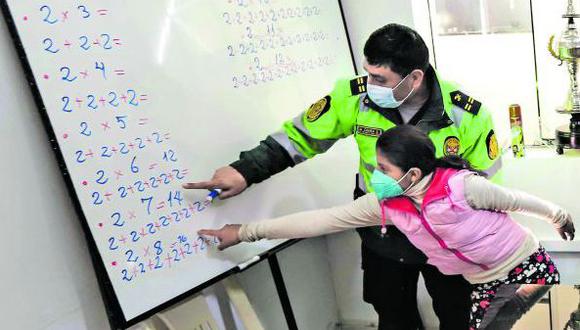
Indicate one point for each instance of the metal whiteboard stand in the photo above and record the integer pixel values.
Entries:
(282, 293)
(278, 278)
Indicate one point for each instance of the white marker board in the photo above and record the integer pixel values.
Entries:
(141, 96)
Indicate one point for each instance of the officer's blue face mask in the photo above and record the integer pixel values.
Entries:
(384, 96)
(387, 187)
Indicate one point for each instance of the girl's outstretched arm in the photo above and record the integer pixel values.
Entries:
(484, 195)
(362, 212)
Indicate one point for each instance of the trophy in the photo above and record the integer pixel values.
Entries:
(568, 51)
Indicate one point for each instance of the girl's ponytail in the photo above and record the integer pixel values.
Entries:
(455, 162)
(407, 147)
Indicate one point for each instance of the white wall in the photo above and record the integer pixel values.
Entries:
(496, 69)
(486, 69)
(307, 276)
(365, 16)
(553, 177)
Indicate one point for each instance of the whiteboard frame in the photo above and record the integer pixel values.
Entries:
(113, 308)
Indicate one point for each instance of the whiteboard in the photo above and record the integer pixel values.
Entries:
(139, 97)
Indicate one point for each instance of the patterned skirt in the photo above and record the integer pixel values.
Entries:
(537, 269)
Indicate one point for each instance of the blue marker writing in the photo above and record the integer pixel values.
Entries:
(213, 194)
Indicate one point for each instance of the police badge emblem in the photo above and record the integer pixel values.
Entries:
(318, 109)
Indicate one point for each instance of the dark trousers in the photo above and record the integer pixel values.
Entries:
(391, 287)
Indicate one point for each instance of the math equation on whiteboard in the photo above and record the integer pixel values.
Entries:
(125, 170)
(109, 115)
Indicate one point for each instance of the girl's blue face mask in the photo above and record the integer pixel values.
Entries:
(385, 186)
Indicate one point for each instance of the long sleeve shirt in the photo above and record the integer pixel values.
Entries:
(366, 211)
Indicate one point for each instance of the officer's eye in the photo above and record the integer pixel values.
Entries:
(378, 79)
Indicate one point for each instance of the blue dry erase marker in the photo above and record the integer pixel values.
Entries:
(213, 194)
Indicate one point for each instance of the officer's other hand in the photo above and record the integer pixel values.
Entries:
(227, 235)
(226, 178)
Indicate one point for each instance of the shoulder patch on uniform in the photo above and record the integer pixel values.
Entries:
(451, 146)
(368, 131)
(465, 102)
(358, 85)
(492, 145)
(317, 109)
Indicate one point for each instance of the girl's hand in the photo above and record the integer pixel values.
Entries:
(567, 229)
(227, 235)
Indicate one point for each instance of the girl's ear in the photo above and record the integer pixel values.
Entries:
(416, 174)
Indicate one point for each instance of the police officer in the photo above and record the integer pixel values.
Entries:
(400, 88)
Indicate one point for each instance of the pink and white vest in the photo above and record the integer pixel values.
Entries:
(456, 238)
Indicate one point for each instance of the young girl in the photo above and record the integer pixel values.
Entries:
(448, 211)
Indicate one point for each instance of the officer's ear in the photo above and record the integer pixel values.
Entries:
(417, 77)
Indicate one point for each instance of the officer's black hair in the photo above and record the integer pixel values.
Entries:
(400, 48)
(405, 146)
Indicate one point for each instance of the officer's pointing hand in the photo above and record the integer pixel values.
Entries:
(226, 178)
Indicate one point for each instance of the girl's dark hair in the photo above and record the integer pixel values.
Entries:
(399, 47)
(406, 146)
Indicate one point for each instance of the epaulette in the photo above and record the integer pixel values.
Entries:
(358, 85)
(465, 102)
